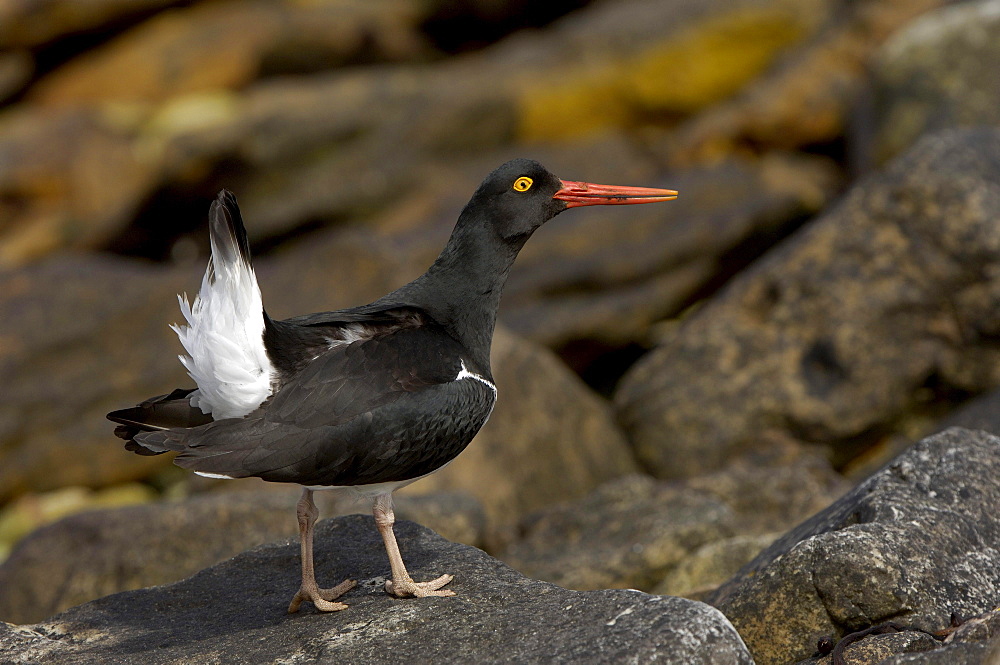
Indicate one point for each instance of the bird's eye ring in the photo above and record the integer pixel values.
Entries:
(523, 184)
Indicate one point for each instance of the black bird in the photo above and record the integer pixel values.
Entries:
(369, 398)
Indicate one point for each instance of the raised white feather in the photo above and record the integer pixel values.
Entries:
(224, 337)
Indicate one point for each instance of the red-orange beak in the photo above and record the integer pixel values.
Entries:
(588, 194)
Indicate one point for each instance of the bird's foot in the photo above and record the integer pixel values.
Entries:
(321, 598)
(407, 587)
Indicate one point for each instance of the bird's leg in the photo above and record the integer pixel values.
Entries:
(401, 584)
(309, 590)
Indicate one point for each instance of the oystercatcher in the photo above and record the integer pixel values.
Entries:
(366, 399)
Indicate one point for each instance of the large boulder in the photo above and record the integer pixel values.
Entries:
(16, 68)
(105, 551)
(228, 44)
(929, 76)
(859, 323)
(236, 612)
(914, 543)
(194, 94)
(33, 24)
(643, 533)
(975, 642)
(617, 63)
(68, 178)
(808, 97)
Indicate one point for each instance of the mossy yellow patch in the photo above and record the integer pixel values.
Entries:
(691, 69)
(30, 511)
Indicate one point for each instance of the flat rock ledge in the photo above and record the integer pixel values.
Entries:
(235, 612)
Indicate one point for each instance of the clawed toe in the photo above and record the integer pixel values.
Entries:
(322, 598)
(337, 591)
(406, 588)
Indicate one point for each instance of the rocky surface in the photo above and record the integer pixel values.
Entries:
(228, 44)
(983, 412)
(353, 133)
(236, 612)
(929, 76)
(196, 91)
(811, 96)
(700, 572)
(69, 177)
(642, 533)
(27, 24)
(16, 68)
(34, 509)
(872, 313)
(914, 543)
(974, 642)
(105, 551)
(100, 552)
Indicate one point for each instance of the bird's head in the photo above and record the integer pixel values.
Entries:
(522, 195)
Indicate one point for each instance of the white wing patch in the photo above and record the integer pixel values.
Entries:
(206, 474)
(224, 341)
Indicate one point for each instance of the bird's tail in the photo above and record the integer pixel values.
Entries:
(164, 412)
(223, 337)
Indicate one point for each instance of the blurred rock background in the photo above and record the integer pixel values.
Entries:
(680, 384)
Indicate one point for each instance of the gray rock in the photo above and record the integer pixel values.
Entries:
(876, 649)
(810, 94)
(929, 76)
(31, 24)
(16, 68)
(627, 533)
(975, 642)
(100, 552)
(847, 329)
(983, 412)
(104, 551)
(168, 55)
(698, 574)
(956, 654)
(235, 613)
(915, 542)
(638, 532)
(71, 177)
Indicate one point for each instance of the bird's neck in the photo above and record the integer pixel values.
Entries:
(462, 289)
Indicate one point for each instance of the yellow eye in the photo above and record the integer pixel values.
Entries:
(523, 184)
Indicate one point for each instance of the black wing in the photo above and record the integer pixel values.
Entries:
(381, 409)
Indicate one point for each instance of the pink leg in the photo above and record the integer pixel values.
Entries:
(401, 584)
(309, 590)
